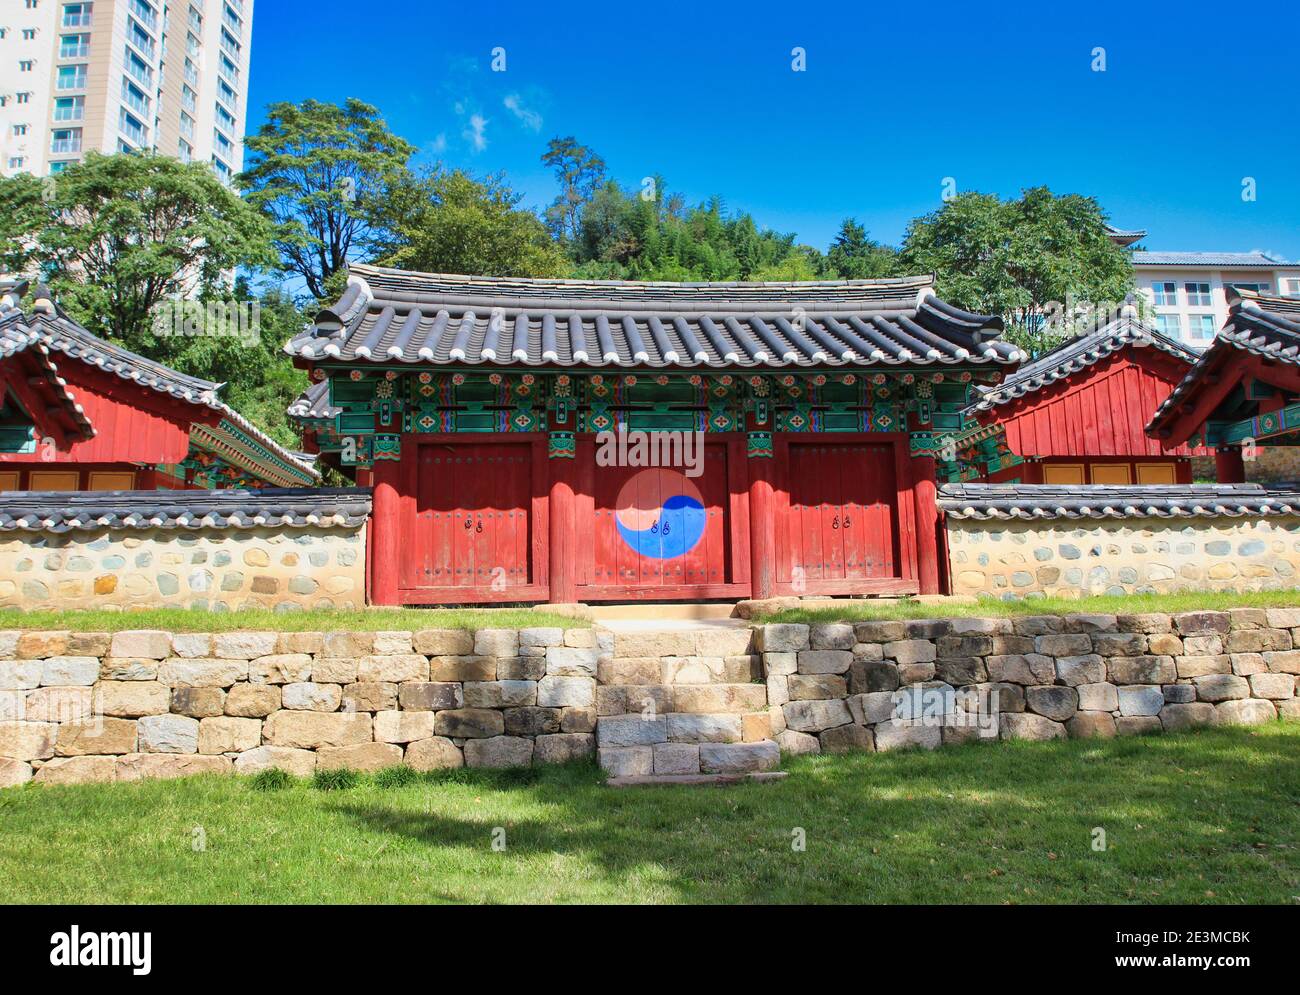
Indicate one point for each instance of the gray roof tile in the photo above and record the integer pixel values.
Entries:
(1030, 502)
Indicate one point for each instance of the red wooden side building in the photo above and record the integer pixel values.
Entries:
(1078, 414)
(80, 413)
(519, 433)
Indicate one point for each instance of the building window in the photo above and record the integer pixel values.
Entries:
(185, 151)
(1291, 288)
(134, 98)
(1166, 294)
(74, 46)
(1259, 288)
(23, 98)
(69, 108)
(1170, 325)
(71, 78)
(24, 65)
(58, 167)
(33, 4)
(29, 34)
(65, 140)
(20, 129)
(15, 162)
(133, 129)
(1202, 327)
(1198, 294)
(77, 15)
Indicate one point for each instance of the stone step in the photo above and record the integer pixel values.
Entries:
(659, 611)
(689, 758)
(694, 780)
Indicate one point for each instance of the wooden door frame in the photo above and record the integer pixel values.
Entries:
(905, 512)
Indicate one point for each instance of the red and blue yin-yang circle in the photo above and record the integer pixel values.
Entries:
(660, 513)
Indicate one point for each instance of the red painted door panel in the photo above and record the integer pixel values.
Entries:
(471, 531)
(655, 532)
(840, 524)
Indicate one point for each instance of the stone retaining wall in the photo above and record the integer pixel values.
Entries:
(882, 685)
(220, 569)
(1069, 558)
(80, 707)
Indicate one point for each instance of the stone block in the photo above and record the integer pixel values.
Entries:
(1245, 664)
(226, 734)
(1024, 668)
(1090, 725)
(1165, 644)
(577, 719)
(676, 758)
(961, 671)
(1141, 699)
(147, 644)
(724, 642)
(444, 642)
(311, 697)
(393, 643)
(393, 669)
(1222, 687)
(313, 730)
(1283, 662)
(312, 643)
(692, 728)
(1055, 702)
(630, 670)
(851, 738)
(282, 668)
(1282, 618)
(796, 743)
(496, 642)
(469, 723)
(815, 716)
(522, 668)
(1064, 644)
(41, 645)
(215, 673)
(634, 730)
(755, 727)
(738, 758)
(434, 753)
(1037, 625)
(20, 675)
(899, 735)
(70, 671)
(1244, 712)
(1174, 717)
(564, 692)
(168, 734)
(1141, 670)
(131, 699)
(542, 636)
(562, 748)
(500, 694)
(197, 703)
(1119, 644)
(164, 766)
(299, 763)
(1275, 687)
(403, 727)
(831, 636)
(239, 645)
(690, 670)
(811, 687)
(1257, 640)
(1137, 725)
(905, 651)
(14, 772)
(716, 698)
(626, 761)
(96, 736)
(1211, 645)
(873, 707)
(565, 661)
(114, 669)
(252, 701)
(335, 670)
(533, 720)
(866, 676)
(1076, 670)
(1202, 623)
(1151, 623)
(427, 696)
(782, 638)
(371, 696)
(1090, 622)
(461, 668)
(1024, 725)
(363, 757)
(1100, 697)
(78, 770)
(824, 661)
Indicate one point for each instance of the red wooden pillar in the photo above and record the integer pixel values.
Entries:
(563, 527)
(385, 533)
(924, 497)
(762, 527)
(1228, 465)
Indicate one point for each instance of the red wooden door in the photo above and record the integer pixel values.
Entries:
(470, 533)
(656, 533)
(837, 531)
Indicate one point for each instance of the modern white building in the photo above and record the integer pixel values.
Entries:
(121, 75)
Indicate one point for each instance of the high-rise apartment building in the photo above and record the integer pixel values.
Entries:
(121, 75)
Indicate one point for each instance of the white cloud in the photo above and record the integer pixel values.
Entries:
(530, 119)
(439, 145)
(476, 133)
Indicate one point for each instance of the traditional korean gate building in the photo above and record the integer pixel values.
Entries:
(1078, 414)
(475, 407)
(80, 413)
(1244, 389)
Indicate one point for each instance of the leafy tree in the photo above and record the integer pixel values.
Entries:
(1033, 260)
(854, 255)
(452, 223)
(580, 172)
(117, 235)
(324, 174)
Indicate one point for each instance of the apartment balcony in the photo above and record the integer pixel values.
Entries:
(141, 74)
(65, 146)
(191, 75)
(232, 22)
(134, 100)
(135, 133)
(145, 13)
(77, 113)
(81, 20)
(75, 51)
(71, 82)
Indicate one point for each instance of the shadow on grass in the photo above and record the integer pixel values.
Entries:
(1209, 816)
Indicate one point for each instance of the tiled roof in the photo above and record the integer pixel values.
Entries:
(314, 403)
(1032, 502)
(296, 508)
(1078, 354)
(17, 335)
(1262, 326)
(392, 316)
(1257, 259)
(1123, 237)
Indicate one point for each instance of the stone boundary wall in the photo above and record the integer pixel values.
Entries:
(1072, 558)
(219, 569)
(86, 707)
(886, 684)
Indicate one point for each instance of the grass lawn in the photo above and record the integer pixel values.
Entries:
(1209, 816)
(258, 619)
(1129, 604)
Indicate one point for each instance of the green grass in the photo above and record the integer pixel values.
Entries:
(1209, 816)
(1129, 604)
(194, 620)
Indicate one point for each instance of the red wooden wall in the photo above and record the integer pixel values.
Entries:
(1102, 410)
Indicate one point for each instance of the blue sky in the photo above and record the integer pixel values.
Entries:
(895, 98)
